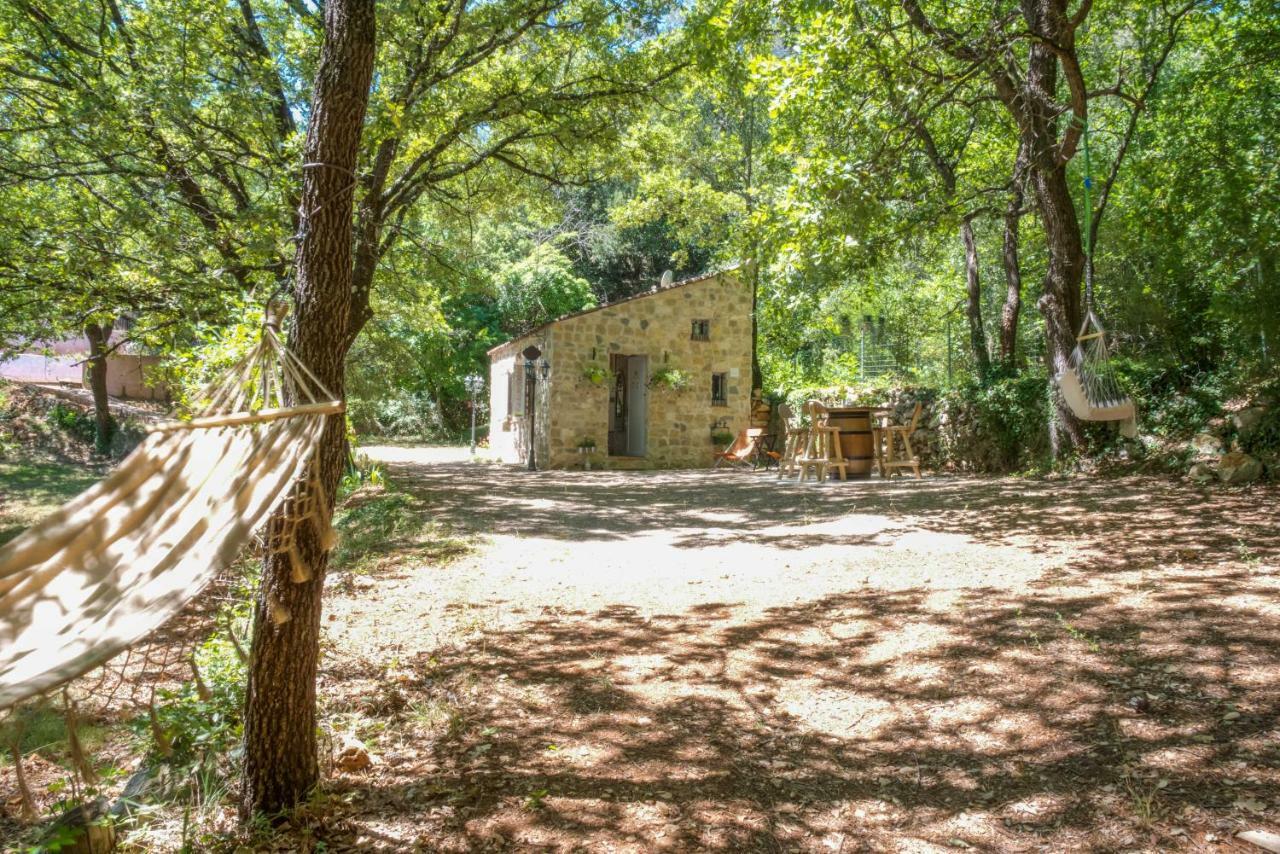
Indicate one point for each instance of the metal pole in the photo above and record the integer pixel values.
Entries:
(473, 423)
(531, 354)
(531, 404)
(862, 353)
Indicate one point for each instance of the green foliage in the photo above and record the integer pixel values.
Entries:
(199, 725)
(8, 443)
(73, 421)
(203, 730)
(360, 472)
(669, 377)
(998, 426)
(595, 372)
(375, 524)
(538, 288)
(542, 159)
(1172, 402)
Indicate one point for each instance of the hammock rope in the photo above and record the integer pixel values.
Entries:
(111, 566)
(1089, 384)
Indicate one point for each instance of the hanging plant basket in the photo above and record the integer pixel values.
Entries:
(668, 377)
(595, 372)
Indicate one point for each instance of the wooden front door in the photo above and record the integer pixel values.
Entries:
(628, 406)
(617, 405)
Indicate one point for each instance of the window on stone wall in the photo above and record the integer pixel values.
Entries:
(701, 330)
(719, 389)
(515, 393)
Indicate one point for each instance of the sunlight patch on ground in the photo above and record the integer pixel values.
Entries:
(844, 714)
(910, 639)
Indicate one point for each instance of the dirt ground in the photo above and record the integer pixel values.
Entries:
(690, 661)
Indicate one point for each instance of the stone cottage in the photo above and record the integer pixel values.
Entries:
(648, 379)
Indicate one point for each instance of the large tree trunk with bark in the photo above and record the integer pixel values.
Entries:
(973, 290)
(1059, 301)
(104, 426)
(280, 714)
(1012, 263)
(1037, 111)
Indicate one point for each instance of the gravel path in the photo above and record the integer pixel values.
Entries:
(719, 661)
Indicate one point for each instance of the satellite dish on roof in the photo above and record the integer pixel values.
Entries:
(667, 278)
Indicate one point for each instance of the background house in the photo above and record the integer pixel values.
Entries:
(131, 374)
(607, 379)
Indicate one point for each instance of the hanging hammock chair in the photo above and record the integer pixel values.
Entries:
(1088, 384)
(113, 564)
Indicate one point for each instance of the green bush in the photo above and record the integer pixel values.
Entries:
(1264, 439)
(72, 421)
(405, 414)
(669, 377)
(1171, 401)
(997, 426)
(201, 729)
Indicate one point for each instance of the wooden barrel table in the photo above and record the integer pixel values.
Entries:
(856, 444)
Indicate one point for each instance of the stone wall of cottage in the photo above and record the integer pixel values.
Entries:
(505, 436)
(659, 326)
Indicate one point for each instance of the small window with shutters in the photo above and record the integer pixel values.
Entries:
(719, 389)
(701, 330)
(515, 393)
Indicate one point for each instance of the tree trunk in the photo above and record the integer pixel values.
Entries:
(1059, 301)
(280, 713)
(104, 426)
(973, 286)
(1012, 267)
(368, 243)
(757, 375)
(1033, 101)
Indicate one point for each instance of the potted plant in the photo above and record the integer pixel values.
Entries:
(721, 437)
(668, 377)
(586, 447)
(595, 372)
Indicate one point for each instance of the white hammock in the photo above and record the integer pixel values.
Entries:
(113, 564)
(1088, 384)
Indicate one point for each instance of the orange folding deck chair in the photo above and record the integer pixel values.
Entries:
(742, 449)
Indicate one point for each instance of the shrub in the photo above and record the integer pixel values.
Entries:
(997, 426)
(1171, 402)
(668, 377)
(72, 421)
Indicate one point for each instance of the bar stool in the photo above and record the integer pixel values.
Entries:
(822, 450)
(794, 440)
(893, 446)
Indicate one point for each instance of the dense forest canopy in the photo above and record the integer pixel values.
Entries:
(907, 176)
(919, 194)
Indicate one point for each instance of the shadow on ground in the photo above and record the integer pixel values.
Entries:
(1119, 521)
(1139, 712)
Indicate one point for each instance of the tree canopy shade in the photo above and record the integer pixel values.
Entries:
(892, 167)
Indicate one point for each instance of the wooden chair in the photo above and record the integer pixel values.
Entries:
(767, 455)
(794, 439)
(822, 450)
(742, 451)
(893, 446)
